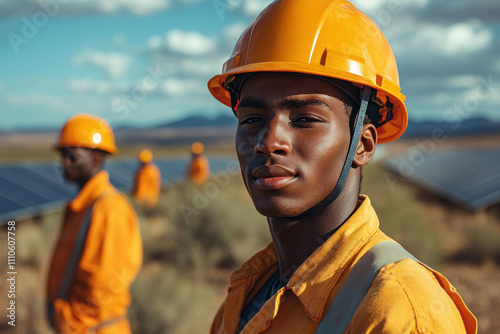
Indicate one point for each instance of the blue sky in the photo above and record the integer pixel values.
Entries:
(146, 62)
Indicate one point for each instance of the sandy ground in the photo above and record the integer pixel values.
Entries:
(479, 286)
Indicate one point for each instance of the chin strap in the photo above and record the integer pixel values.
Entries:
(348, 161)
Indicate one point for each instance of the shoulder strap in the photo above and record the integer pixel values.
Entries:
(74, 258)
(356, 285)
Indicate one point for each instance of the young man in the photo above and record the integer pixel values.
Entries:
(315, 88)
(99, 250)
(147, 181)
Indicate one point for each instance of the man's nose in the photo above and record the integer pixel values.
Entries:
(274, 138)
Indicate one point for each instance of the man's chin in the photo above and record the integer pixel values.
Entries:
(276, 209)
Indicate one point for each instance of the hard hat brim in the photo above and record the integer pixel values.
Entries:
(387, 132)
(109, 150)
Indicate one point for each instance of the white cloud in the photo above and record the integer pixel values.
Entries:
(461, 81)
(371, 7)
(119, 39)
(114, 64)
(463, 37)
(178, 86)
(494, 100)
(194, 67)
(88, 85)
(189, 42)
(454, 40)
(155, 42)
(254, 7)
(480, 99)
(142, 7)
(184, 43)
(78, 7)
(440, 98)
(37, 101)
(232, 33)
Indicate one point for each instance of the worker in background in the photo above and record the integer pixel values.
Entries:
(147, 182)
(99, 250)
(315, 88)
(198, 168)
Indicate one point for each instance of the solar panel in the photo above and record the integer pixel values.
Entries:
(470, 178)
(29, 189)
(173, 170)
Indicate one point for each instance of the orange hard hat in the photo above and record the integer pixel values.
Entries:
(145, 156)
(328, 38)
(84, 130)
(197, 148)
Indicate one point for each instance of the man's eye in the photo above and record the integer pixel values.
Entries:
(251, 120)
(307, 119)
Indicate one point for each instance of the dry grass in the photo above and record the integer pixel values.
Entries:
(399, 216)
(34, 240)
(481, 245)
(188, 258)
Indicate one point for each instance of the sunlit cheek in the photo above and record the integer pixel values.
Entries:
(245, 147)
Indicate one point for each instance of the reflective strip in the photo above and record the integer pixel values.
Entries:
(50, 313)
(357, 283)
(69, 272)
(74, 258)
(106, 323)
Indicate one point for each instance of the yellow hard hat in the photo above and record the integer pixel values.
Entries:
(84, 130)
(145, 156)
(329, 38)
(197, 148)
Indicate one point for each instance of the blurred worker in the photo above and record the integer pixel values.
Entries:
(147, 183)
(198, 168)
(99, 250)
(315, 88)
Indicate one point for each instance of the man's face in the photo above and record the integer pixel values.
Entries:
(77, 163)
(292, 139)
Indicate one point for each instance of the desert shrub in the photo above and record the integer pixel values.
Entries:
(482, 244)
(395, 204)
(188, 257)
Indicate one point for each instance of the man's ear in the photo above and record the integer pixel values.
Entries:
(366, 146)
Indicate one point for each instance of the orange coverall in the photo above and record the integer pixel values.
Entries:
(110, 261)
(404, 297)
(147, 185)
(199, 169)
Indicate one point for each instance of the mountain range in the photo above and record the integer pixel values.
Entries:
(415, 129)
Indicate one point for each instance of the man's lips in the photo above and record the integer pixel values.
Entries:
(273, 177)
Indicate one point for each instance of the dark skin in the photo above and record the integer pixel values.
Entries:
(80, 164)
(292, 139)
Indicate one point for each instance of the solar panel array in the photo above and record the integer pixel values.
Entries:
(470, 178)
(31, 189)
